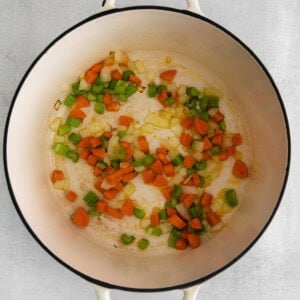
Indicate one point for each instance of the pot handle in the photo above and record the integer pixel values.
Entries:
(102, 293)
(192, 5)
(191, 292)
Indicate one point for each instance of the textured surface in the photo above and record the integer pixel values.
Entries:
(271, 269)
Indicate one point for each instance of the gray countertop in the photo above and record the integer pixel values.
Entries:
(271, 269)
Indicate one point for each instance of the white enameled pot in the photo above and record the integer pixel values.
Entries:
(139, 28)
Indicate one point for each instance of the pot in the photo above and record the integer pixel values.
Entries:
(138, 28)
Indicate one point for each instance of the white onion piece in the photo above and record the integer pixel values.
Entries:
(83, 85)
(182, 210)
(181, 90)
(55, 124)
(105, 73)
(62, 184)
(213, 111)
(140, 67)
(187, 189)
(106, 185)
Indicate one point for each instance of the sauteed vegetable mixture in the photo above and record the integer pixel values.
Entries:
(172, 149)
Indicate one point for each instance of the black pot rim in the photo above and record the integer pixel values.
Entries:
(83, 275)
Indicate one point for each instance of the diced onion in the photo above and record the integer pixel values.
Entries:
(156, 120)
(113, 145)
(83, 85)
(62, 184)
(178, 178)
(147, 128)
(183, 98)
(216, 227)
(55, 124)
(121, 57)
(151, 75)
(105, 185)
(182, 210)
(213, 111)
(172, 87)
(138, 154)
(58, 139)
(105, 73)
(187, 189)
(129, 189)
(140, 67)
(140, 169)
(181, 90)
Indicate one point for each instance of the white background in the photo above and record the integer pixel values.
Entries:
(271, 269)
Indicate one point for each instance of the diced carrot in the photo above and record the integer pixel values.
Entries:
(143, 144)
(115, 177)
(219, 132)
(206, 199)
(206, 156)
(125, 120)
(240, 169)
(194, 240)
(84, 142)
(217, 140)
(107, 134)
(57, 175)
(113, 212)
(187, 123)
(177, 222)
(187, 199)
(163, 158)
(127, 169)
(134, 79)
(115, 106)
(99, 153)
(125, 145)
(128, 154)
(130, 176)
(162, 150)
(223, 156)
(85, 152)
(237, 139)
(115, 74)
(190, 182)
(77, 113)
(154, 218)
(200, 126)
(91, 160)
(168, 75)
(157, 167)
(96, 67)
(148, 176)
(80, 217)
(186, 139)
(218, 117)
(91, 76)
(206, 143)
(189, 161)
(118, 186)
(82, 101)
(95, 142)
(196, 179)
(167, 192)
(162, 96)
(213, 218)
(169, 170)
(71, 196)
(101, 206)
(181, 244)
(195, 224)
(98, 184)
(231, 150)
(110, 194)
(160, 180)
(184, 234)
(107, 99)
(127, 208)
(171, 211)
(97, 171)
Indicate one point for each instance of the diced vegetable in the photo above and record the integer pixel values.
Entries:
(143, 243)
(230, 197)
(127, 239)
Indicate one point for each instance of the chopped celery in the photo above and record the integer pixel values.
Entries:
(154, 230)
(204, 103)
(137, 163)
(91, 199)
(201, 165)
(112, 84)
(139, 213)
(176, 233)
(169, 101)
(171, 203)
(214, 101)
(204, 116)
(178, 160)
(121, 134)
(73, 155)
(99, 98)
(99, 108)
(196, 211)
(101, 165)
(202, 181)
(222, 125)
(172, 242)
(121, 154)
(193, 112)
(64, 129)
(176, 192)
(161, 88)
(148, 160)
(192, 91)
(73, 122)
(74, 138)
(127, 239)
(91, 97)
(115, 163)
(130, 90)
(151, 90)
(60, 148)
(123, 97)
(69, 101)
(163, 214)
(93, 212)
(143, 243)
(230, 197)
(215, 150)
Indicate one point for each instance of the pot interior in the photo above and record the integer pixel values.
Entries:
(146, 29)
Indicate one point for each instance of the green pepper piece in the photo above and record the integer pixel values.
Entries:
(139, 213)
(230, 197)
(143, 243)
(127, 239)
